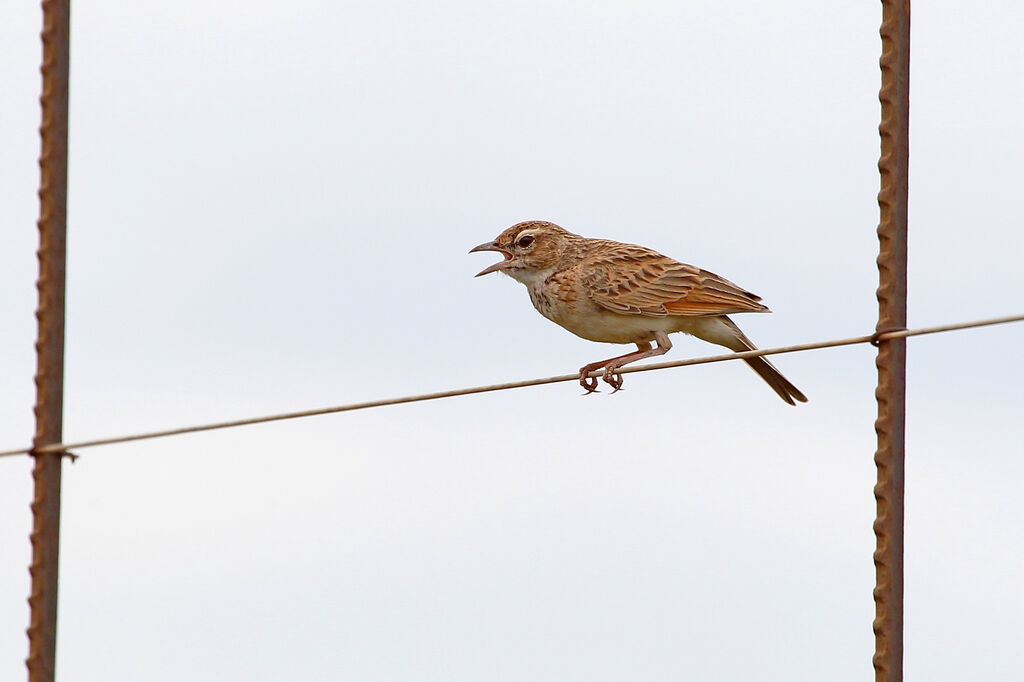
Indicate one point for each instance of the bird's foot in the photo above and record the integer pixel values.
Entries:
(588, 382)
(613, 378)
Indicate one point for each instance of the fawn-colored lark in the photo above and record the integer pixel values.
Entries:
(607, 291)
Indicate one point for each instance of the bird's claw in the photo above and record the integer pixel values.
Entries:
(613, 378)
(588, 383)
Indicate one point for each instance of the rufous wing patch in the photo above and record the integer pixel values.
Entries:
(635, 280)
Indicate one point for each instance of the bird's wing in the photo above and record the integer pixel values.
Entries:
(630, 279)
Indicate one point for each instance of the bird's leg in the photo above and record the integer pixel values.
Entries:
(644, 350)
(613, 378)
(590, 383)
(610, 366)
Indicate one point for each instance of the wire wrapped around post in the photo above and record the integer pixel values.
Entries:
(53, 192)
(892, 353)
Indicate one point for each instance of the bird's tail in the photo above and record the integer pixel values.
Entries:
(765, 369)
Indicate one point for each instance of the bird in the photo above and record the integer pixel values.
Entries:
(612, 292)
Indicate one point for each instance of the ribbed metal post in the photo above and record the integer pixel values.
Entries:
(892, 353)
(53, 163)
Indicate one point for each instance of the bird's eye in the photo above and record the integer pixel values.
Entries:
(524, 241)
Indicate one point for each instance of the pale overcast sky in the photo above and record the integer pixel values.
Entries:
(270, 208)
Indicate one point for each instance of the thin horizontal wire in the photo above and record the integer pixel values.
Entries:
(884, 336)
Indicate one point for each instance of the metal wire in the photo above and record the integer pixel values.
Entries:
(870, 338)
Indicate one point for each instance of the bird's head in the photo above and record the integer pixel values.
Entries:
(529, 248)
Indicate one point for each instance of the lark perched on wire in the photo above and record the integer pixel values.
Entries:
(621, 293)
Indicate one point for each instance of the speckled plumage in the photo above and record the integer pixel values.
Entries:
(607, 291)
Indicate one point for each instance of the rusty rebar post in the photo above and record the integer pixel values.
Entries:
(893, 167)
(53, 192)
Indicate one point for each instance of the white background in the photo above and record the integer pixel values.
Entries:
(270, 207)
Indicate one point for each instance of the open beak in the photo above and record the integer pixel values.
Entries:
(500, 265)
